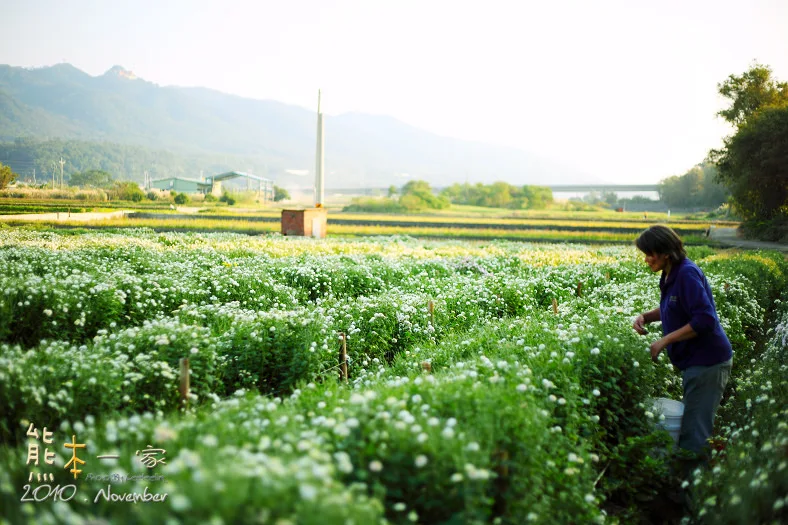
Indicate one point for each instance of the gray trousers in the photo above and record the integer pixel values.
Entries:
(703, 388)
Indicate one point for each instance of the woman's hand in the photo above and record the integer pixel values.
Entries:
(656, 347)
(639, 324)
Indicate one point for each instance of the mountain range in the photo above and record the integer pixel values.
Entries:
(362, 150)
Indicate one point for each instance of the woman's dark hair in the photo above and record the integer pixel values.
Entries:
(661, 240)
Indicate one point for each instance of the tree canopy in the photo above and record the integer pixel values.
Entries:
(7, 176)
(751, 91)
(753, 164)
(280, 194)
(91, 178)
(417, 194)
(499, 195)
(698, 188)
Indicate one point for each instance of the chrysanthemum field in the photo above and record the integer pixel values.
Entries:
(487, 383)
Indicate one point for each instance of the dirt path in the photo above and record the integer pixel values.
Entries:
(727, 237)
(63, 216)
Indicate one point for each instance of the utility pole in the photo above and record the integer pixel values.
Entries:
(34, 176)
(319, 158)
(62, 162)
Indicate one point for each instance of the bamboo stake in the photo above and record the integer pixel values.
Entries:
(184, 387)
(555, 306)
(343, 357)
(426, 366)
(580, 288)
(431, 310)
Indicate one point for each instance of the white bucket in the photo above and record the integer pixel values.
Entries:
(673, 411)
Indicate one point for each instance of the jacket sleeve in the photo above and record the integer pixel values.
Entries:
(696, 302)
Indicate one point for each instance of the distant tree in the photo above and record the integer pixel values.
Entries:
(392, 191)
(417, 194)
(91, 178)
(610, 198)
(499, 195)
(7, 176)
(698, 188)
(538, 196)
(592, 197)
(126, 191)
(280, 194)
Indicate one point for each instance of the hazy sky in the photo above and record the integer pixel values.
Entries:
(623, 89)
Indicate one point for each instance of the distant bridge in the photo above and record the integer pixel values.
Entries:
(563, 188)
(603, 187)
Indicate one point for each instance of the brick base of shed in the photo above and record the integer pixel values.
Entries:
(309, 222)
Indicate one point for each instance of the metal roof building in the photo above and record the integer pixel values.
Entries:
(181, 185)
(213, 184)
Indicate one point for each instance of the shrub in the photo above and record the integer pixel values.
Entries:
(181, 198)
(374, 205)
(126, 191)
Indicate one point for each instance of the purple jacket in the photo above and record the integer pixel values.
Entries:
(686, 298)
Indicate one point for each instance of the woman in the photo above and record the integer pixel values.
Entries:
(692, 333)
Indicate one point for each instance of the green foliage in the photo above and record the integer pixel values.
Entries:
(280, 194)
(526, 414)
(7, 176)
(374, 205)
(752, 163)
(181, 198)
(774, 230)
(749, 480)
(92, 179)
(124, 161)
(417, 195)
(500, 195)
(152, 195)
(752, 90)
(210, 197)
(126, 191)
(227, 198)
(698, 188)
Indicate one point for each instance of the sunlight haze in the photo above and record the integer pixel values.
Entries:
(625, 92)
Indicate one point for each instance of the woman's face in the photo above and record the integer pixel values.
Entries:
(657, 261)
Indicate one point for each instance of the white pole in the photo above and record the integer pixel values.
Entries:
(320, 160)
